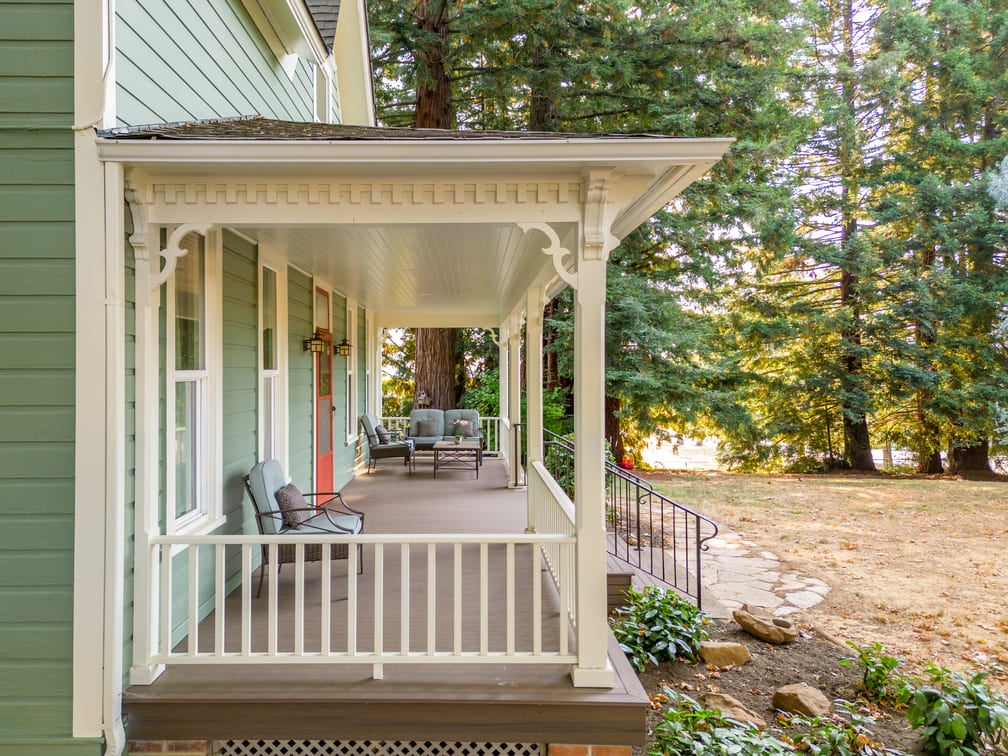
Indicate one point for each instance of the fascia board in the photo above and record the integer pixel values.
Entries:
(653, 154)
(659, 194)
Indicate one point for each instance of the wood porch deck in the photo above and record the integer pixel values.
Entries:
(430, 701)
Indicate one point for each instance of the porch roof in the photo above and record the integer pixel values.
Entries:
(421, 226)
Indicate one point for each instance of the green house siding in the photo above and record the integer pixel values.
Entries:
(37, 352)
(300, 384)
(241, 377)
(179, 61)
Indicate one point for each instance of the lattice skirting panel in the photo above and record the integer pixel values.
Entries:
(371, 748)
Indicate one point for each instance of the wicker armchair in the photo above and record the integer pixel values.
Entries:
(263, 483)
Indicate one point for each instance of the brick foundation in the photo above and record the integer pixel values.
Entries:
(565, 749)
(173, 747)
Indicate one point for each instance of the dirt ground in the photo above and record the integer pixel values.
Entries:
(919, 565)
(810, 658)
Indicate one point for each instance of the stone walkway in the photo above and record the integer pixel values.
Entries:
(736, 572)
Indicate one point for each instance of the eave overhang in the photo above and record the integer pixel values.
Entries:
(438, 186)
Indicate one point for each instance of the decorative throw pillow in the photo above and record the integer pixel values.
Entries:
(293, 505)
(463, 428)
(426, 428)
(383, 435)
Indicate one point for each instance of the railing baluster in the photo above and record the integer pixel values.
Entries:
(351, 632)
(192, 618)
(271, 617)
(457, 602)
(509, 589)
(484, 616)
(219, 596)
(299, 575)
(246, 596)
(564, 588)
(325, 599)
(431, 598)
(404, 588)
(379, 604)
(164, 642)
(536, 570)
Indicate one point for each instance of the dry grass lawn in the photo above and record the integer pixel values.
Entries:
(919, 565)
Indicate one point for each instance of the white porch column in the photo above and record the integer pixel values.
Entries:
(514, 393)
(596, 243)
(533, 386)
(503, 428)
(146, 586)
(589, 477)
(534, 371)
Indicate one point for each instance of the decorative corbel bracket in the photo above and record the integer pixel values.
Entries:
(172, 252)
(138, 213)
(494, 337)
(598, 238)
(554, 250)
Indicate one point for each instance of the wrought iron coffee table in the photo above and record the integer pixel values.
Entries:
(461, 455)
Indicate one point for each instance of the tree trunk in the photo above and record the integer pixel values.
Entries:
(435, 371)
(612, 427)
(928, 449)
(973, 458)
(857, 444)
(434, 377)
(433, 96)
(543, 114)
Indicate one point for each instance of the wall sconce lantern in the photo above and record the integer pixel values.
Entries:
(316, 344)
(343, 348)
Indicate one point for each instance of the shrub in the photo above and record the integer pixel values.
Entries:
(959, 716)
(881, 681)
(688, 728)
(843, 734)
(656, 625)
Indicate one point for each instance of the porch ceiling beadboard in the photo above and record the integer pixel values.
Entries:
(420, 226)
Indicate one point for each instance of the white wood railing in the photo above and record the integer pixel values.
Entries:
(552, 511)
(489, 426)
(421, 598)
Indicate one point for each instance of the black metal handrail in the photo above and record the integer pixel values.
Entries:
(650, 531)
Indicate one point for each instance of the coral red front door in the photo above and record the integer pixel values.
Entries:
(323, 399)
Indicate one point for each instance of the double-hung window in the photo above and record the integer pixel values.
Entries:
(193, 395)
(189, 392)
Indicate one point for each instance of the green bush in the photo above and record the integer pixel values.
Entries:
(959, 716)
(845, 733)
(881, 681)
(688, 728)
(656, 625)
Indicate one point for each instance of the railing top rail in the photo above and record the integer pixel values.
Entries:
(483, 418)
(555, 439)
(555, 490)
(381, 538)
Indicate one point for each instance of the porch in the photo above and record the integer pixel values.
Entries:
(466, 636)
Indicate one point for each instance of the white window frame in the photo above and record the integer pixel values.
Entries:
(208, 512)
(279, 375)
(351, 374)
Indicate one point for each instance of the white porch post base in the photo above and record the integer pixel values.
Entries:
(146, 675)
(584, 677)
